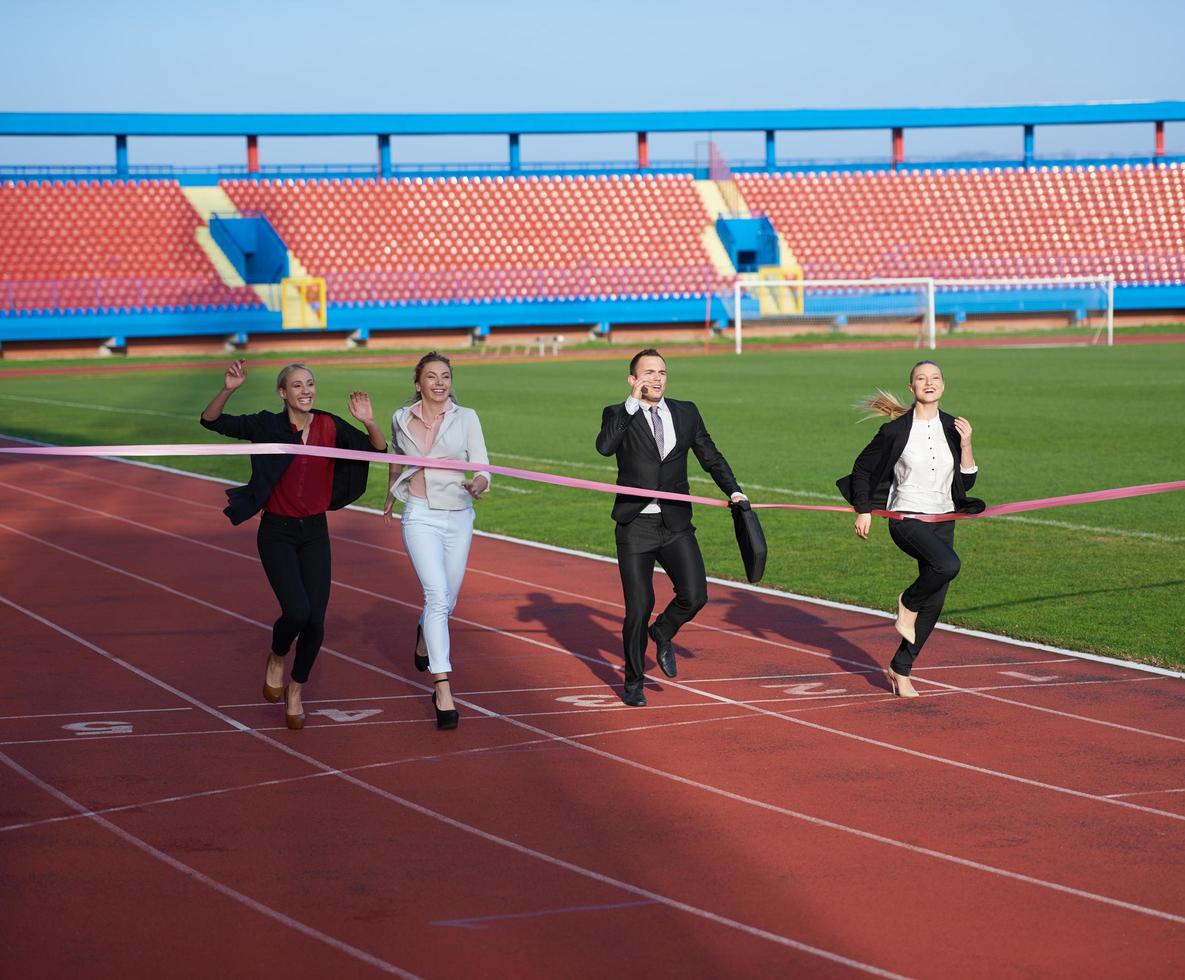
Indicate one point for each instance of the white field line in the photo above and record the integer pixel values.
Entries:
(602, 468)
(458, 824)
(91, 407)
(522, 849)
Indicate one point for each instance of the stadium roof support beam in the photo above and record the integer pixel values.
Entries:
(252, 154)
(553, 123)
(1159, 141)
(1028, 147)
(898, 147)
(516, 159)
(121, 156)
(643, 151)
(384, 155)
(771, 149)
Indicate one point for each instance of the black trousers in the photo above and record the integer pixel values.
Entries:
(640, 543)
(296, 558)
(933, 547)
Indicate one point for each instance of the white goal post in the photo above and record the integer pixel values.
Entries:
(918, 299)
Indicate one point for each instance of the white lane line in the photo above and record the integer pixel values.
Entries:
(532, 744)
(433, 814)
(862, 667)
(631, 763)
(874, 670)
(596, 660)
(727, 583)
(1144, 792)
(83, 714)
(192, 873)
(816, 821)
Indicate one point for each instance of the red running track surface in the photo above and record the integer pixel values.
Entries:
(772, 812)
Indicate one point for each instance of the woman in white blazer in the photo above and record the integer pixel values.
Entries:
(437, 518)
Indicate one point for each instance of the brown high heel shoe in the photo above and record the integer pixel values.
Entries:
(895, 680)
(272, 694)
(295, 722)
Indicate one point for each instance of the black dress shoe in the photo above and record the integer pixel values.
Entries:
(421, 660)
(634, 696)
(664, 655)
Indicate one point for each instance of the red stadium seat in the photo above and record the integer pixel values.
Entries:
(108, 244)
(1046, 222)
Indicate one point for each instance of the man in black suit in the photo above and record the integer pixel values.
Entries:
(650, 435)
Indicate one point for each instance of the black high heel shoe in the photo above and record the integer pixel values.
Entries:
(421, 661)
(445, 720)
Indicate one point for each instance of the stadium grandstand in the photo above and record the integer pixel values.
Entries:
(120, 257)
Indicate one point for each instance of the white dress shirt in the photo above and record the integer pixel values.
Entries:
(632, 405)
(923, 475)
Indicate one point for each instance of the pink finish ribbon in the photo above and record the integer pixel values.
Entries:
(298, 449)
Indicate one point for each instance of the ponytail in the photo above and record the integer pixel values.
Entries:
(882, 403)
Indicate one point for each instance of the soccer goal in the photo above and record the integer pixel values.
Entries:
(924, 307)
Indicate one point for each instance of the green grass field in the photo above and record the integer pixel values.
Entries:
(1106, 578)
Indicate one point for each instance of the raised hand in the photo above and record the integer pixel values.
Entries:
(963, 427)
(360, 407)
(235, 375)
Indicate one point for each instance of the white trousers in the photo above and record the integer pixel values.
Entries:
(437, 542)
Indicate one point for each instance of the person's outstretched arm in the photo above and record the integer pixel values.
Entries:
(361, 409)
(235, 426)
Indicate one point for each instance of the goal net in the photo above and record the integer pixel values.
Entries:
(926, 310)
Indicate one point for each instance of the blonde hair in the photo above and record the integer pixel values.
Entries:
(886, 403)
(287, 369)
(882, 403)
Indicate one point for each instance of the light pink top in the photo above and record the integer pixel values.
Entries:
(425, 436)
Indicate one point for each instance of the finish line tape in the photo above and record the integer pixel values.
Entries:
(298, 449)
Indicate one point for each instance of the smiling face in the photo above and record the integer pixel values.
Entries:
(299, 390)
(651, 369)
(926, 383)
(435, 384)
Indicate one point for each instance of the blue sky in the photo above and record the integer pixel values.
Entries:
(527, 55)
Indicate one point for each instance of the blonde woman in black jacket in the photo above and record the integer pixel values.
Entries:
(920, 462)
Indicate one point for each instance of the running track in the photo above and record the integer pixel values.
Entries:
(774, 812)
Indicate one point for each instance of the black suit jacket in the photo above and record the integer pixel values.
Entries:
(867, 487)
(349, 475)
(631, 439)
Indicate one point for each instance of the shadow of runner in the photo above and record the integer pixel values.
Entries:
(766, 618)
(582, 629)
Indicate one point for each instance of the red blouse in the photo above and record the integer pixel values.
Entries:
(306, 487)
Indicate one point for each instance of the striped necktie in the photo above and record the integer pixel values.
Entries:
(658, 433)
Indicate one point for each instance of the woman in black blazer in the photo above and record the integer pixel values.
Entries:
(920, 462)
(294, 492)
